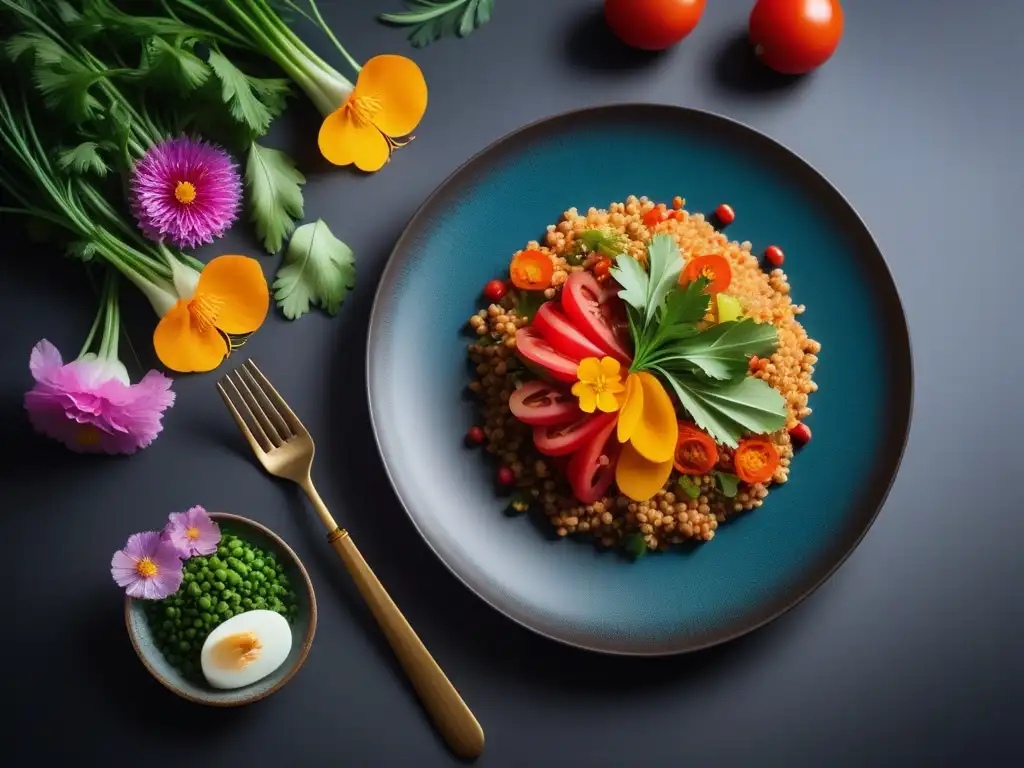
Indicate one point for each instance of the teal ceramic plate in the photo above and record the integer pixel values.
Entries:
(303, 628)
(758, 565)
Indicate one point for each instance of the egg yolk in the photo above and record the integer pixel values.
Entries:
(236, 651)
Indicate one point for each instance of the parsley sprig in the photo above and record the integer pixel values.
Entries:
(433, 19)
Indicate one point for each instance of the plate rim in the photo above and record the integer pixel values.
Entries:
(387, 275)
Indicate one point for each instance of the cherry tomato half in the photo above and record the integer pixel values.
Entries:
(538, 402)
(563, 439)
(593, 310)
(652, 25)
(589, 476)
(538, 350)
(796, 36)
(561, 334)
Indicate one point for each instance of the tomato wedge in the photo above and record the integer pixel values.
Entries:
(561, 439)
(538, 402)
(589, 478)
(563, 335)
(538, 350)
(598, 313)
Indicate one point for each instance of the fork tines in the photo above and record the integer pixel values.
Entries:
(260, 412)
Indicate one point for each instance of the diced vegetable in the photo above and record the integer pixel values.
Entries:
(725, 214)
(800, 434)
(712, 267)
(729, 308)
(531, 271)
(494, 291)
(696, 453)
(774, 255)
(756, 459)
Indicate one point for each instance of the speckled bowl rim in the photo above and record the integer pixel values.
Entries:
(444, 189)
(307, 641)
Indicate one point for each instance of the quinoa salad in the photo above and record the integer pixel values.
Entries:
(640, 378)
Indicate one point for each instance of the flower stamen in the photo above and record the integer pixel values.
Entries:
(192, 533)
(204, 310)
(185, 192)
(146, 568)
(87, 435)
(363, 109)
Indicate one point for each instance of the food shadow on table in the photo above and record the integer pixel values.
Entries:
(735, 68)
(591, 45)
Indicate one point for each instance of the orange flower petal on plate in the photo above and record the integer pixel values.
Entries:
(394, 87)
(638, 478)
(183, 344)
(631, 408)
(345, 138)
(657, 431)
(235, 291)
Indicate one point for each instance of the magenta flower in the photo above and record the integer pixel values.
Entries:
(186, 191)
(192, 533)
(91, 406)
(148, 567)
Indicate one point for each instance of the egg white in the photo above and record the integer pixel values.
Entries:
(275, 637)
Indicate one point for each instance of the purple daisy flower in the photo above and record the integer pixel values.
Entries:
(148, 567)
(90, 406)
(192, 532)
(186, 191)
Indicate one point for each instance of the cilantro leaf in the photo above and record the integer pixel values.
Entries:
(238, 93)
(730, 411)
(65, 89)
(635, 544)
(729, 484)
(172, 66)
(610, 243)
(83, 159)
(723, 351)
(689, 486)
(273, 92)
(318, 269)
(275, 194)
(628, 273)
(431, 20)
(665, 266)
(44, 49)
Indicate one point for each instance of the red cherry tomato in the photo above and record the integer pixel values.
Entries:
(800, 434)
(563, 439)
(725, 214)
(538, 402)
(589, 477)
(494, 291)
(598, 313)
(654, 217)
(796, 36)
(475, 436)
(538, 350)
(652, 25)
(506, 477)
(561, 334)
(774, 255)
(602, 269)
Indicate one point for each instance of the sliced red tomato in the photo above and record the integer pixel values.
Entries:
(562, 334)
(561, 439)
(598, 313)
(538, 402)
(538, 350)
(588, 476)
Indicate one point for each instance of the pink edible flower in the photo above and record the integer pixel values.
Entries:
(148, 567)
(90, 405)
(192, 533)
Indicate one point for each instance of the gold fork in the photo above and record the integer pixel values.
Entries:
(285, 449)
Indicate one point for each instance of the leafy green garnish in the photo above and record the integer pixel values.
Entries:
(172, 66)
(635, 544)
(646, 291)
(85, 158)
(275, 194)
(237, 92)
(318, 269)
(728, 484)
(689, 486)
(606, 242)
(433, 19)
(528, 302)
(722, 352)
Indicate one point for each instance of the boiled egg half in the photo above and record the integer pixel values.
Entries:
(246, 648)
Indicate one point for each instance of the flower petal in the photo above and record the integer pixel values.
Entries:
(638, 478)
(237, 282)
(631, 409)
(588, 399)
(589, 369)
(657, 431)
(181, 346)
(397, 83)
(343, 141)
(44, 362)
(607, 402)
(610, 367)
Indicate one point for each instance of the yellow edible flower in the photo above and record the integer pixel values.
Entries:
(648, 427)
(599, 383)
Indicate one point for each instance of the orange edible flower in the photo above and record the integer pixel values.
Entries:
(756, 459)
(531, 271)
(388, 102)
(696, 452)
(713, 267)
(230, 298)
(648, 427)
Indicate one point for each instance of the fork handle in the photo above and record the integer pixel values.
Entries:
(446, 708)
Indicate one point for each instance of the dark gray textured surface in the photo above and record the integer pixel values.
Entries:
(910, 655)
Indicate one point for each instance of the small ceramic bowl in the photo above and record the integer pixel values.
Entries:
(303, 627)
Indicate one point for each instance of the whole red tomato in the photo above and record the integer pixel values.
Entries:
(652, 24)
(796, 36)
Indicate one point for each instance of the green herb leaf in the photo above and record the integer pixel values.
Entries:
(635, 283)
(172, 66)
(686, 305)
(275, 194)
(728, 484)
(83, 159)
(273, 92)
(65, 89)
(238, 93)
(635, 544)
(721, 352)
(431, 20)
(607, 242)
(729, 411)
(528, 302)
(689, 486)
(45, 50)
(665, 265)
(318, 269)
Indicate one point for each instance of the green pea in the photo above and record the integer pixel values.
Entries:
(258, 577)
(216, 562)
(218, 586)
(170, 610)
(246, 584)
(197, 623)
(220, 574)
(223, 551)
(222, 606)
(283, 581)
(185, 646)
(206, 586)
(172, 637)
(262, 592)
(237, 551)
(259, 563)
(187, 577)
(259, 602)
(229, 613)
(200, 561)
(190, 633)
(235, 599)
(268, 571)
(234, 579)
(204, 603)
(207, 574)
(194, 589)
(226, 594)
(246, 602)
